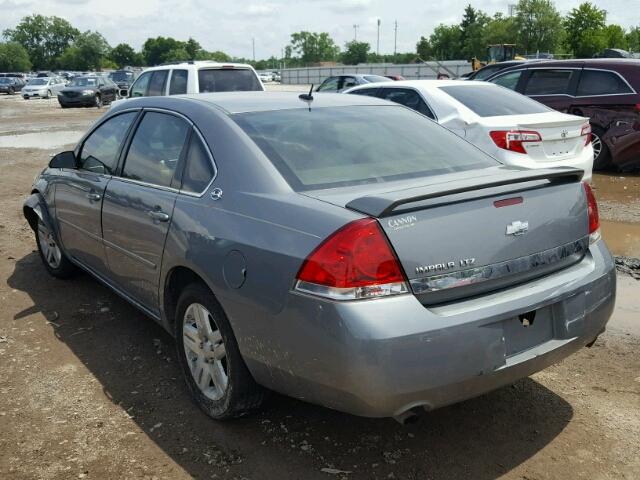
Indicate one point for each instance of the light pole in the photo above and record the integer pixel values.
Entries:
(395, 39)
(355, 32)
(253, 47)
(378, 40)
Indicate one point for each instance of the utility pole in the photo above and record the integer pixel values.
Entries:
(355, 32)
(378, 40)
(253, 47)
(395, 39)
(283, 64)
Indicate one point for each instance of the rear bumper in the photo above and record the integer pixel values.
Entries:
(583, 161)
(382, 357)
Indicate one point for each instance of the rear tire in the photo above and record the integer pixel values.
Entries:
(11, 91)
(216, 375)
(49, 94)
(601, 153)
(52, 256)
(97, 101)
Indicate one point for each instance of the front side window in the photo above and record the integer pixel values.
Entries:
(549, 82)
(508, 80)
(139, 89)
(157, 83)
(348, 82)
(408, 98)
(489, 101)
(99, 152)
(598, 82)
(198, 171)
(486, 72)
(178, 83)
(353, 145)
(155, 149)
(329, 85)
(228, 80)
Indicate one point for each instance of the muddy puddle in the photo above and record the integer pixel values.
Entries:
(622, 238)
(42, 140)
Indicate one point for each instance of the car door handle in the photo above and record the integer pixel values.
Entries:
(94, 196)
(158, 215)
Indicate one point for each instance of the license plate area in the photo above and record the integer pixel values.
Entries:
(528, 330)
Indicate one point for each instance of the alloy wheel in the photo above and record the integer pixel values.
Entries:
(50, 249)
(205, 351)
(596, 143)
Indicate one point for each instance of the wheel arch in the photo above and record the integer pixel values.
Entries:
(35, 209)
(176, 279)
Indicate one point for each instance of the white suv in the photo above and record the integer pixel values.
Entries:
(194, 77)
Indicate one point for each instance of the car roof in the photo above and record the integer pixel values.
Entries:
(259, 101)
(422, 84)
(198, 64)
(584, 62)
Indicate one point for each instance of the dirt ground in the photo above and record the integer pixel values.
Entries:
(90, 388)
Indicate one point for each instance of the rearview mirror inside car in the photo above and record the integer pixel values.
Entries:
(63, 160)
(124, 92)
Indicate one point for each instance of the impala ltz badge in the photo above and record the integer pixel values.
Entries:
(517, 228)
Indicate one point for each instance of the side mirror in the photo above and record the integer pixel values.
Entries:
(124, 92)
(63, 160)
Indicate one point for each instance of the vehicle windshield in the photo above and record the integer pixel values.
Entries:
(84, 82)
(39, 81)
(121, 76)
(228, 80)
(493, 101)
(351, 145)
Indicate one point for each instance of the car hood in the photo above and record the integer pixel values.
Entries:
(78, 89)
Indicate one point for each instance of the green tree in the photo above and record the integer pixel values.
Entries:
(178, 54)
(123, 54)
(633, 39)
(192, 48)
(217, 56)
(472, 32)
(615, 37)
(423, 48)
(14, 58)
(44, 38)
(71, 59)
(445, 42)
(93, 48)
(314, 47)
(499, 29)
(585, 27)
(156, 49)
(355, 52)
(538, 25)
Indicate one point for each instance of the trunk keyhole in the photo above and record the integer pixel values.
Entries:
(527, 318)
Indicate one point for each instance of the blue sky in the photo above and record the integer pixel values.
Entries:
(230, 25)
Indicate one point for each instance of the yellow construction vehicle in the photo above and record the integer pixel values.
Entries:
(500, 52)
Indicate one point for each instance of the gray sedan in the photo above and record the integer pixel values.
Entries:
(340, 249)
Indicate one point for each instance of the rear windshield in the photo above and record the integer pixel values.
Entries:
(376, 78)
(228, 80)
(351, 145)
(491, 101)
(122, 76)
(84, 82)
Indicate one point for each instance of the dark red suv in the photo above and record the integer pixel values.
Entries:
(605, 90)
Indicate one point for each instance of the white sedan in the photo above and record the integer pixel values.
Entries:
(507, 125)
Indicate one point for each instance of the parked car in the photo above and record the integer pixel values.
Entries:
(511, 127)
(604, 90)
(342, 249)
(123, 78)
(488, 70)
(339, 83)
(195, 77)
(91, 91)
(265, 76)
(43, 87)
(11, 85)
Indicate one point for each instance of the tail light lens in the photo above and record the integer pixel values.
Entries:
(354, 262)
(594, 218)
(586, 130)
(514, 140)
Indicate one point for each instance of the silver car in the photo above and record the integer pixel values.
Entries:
(340, 249)
(42, 87)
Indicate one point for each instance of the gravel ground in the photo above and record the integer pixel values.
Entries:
(90, 388)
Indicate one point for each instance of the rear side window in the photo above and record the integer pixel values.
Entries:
(597, 82)
(508, 80)
(198, 171)
(369, 92)
(348, 82)
(139, 89)
(155, 149)
(408, 98)
(100, 150)
(339, 146)
(178, 83)
(157, 83)
(489, 101)
(329, 85)
(549, 82)
(228, 80)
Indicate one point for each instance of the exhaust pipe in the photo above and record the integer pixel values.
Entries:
(407, 417)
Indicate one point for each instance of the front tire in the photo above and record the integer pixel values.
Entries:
(49, 94)
(11, 91)
(52, 256)
(216, 375)
(97, 101)
(601, 153)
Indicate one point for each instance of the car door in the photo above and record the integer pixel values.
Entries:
(141, 85)
(329, 85)
(79, 192)
(554, 87)
(139, 203)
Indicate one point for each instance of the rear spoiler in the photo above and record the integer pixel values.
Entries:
(383, 204)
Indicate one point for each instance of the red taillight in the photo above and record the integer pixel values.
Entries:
(356, 261)
(592, 206)
(586, 130)
(514, 140)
